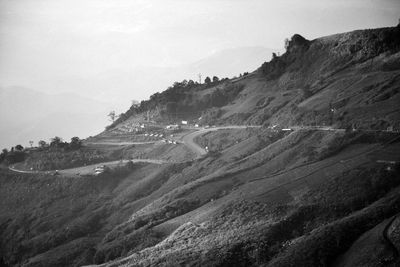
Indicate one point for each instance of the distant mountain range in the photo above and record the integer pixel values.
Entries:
(141, 81)
(32, 115)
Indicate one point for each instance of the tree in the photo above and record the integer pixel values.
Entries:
(286, 44)
(42, 144)
(31, 143)
(215, 79)
(3, 154)
(76, 143)
(274, 55)
(130, 165)
(15, 155)
(55, 141)
(207, 80)
(190, 83)
(112, 115)
(135, 103)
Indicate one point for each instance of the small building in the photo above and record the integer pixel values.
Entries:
(184, 122)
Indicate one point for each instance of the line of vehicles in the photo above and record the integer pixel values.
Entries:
(153, 135)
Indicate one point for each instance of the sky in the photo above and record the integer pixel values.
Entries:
(88, 47)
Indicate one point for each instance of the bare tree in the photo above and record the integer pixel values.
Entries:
(31, 143)
(286, 44)
(42, 143)
(112, 115)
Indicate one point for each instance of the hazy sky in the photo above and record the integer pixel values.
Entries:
(67, 45)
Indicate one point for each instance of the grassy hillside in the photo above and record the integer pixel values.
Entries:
(260, 197)
(218, 210)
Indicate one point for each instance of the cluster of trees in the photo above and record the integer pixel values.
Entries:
(57, 143)
(187, 105)
(16, 154)
(177, 99)
(208, 80)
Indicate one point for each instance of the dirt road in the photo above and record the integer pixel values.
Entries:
(188, 139)
(125, 143)
(89, 169)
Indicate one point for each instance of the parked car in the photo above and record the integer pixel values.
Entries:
(100, 169)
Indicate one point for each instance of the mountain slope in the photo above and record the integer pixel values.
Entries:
(345, 80)
(261, 196)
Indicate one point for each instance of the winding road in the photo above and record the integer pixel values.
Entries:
(188, 139)
(89, 169)
(125, 143)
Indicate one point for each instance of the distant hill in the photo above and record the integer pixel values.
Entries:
(118, 84)
(230, 62)
(32, 115)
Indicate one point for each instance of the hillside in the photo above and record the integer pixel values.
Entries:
(344, 80)
(326, 192)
